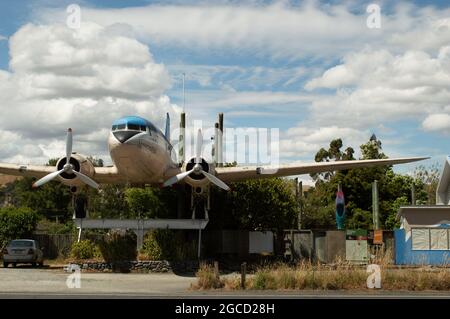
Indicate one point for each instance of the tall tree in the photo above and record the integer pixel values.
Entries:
(394, 189)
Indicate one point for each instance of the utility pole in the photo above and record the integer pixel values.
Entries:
(299, 197)
(375, 206)
(413, 194)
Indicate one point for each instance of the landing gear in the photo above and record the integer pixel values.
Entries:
(200, 199)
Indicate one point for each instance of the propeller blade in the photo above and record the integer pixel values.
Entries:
(85, 179)
(47, 178)
(198, 152)
(68, 145)
(177, 178)
(216, 181)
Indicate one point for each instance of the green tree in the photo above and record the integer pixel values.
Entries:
(108, 202)
(319, 205)
(16, 223)
(429, 176)
(142, 202)
(264, 204)
(333, 153)
(49, 200)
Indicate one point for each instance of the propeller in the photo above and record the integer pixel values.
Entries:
(68, 168)
(198, 169)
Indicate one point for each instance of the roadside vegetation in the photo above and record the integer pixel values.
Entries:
(308, 276)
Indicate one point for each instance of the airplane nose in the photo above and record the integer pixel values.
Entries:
(123, 136)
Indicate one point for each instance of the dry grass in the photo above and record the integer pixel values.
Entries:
(207, 278)
(339, 276)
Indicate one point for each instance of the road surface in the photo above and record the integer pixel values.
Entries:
(51, 283)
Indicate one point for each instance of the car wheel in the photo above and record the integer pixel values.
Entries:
(5, 265)
(41, 264)
(33, 264)
(14, 265)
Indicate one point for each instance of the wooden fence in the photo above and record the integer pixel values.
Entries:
(55, 245)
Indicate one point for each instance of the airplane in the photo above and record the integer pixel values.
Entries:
(142, 154)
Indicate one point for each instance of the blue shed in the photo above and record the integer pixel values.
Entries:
(424, 235)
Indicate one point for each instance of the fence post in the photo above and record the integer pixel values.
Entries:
(216, 269)
(243, 274)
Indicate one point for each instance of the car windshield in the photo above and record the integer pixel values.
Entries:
(21, 243)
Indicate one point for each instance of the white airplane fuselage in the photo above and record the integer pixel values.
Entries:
(140, 151)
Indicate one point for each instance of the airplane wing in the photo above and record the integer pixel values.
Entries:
(235, 174)
(103, 175)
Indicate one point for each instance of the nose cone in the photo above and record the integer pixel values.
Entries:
(123, 136)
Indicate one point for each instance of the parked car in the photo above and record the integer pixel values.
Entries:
(23, 251)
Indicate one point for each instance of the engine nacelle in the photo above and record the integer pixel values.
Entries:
(198, 180)
(80, 164)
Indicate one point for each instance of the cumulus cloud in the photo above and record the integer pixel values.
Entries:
(437, 122)
(373, 87)
(306, 140)
(83, 79)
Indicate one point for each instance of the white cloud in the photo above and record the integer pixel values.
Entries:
(375, 87)
(307, 140)
(82, 79)
(3, 38)
(236, 76)
(277, 29)
(437, 122)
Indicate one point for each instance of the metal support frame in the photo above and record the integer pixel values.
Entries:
(141, 226)
(199, 243)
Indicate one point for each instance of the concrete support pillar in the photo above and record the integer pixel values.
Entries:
(140, 233)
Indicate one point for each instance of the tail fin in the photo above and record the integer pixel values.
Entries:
(167, 133)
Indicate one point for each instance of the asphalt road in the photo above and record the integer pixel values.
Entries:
(51, 283)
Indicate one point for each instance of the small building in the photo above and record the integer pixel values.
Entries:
(423, 237)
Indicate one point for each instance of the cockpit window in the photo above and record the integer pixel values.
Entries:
(114, 127)
(134, 127)
(121, 126)
(143, 128)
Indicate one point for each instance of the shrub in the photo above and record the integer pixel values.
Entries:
(287, 280)
(118, 246)
(51, 227)
(207, 278)
(151, 249)
(164, 244)
(85, 249)
(264, 279)
(16, 223)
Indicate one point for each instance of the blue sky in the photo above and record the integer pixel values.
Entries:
(305, 79)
